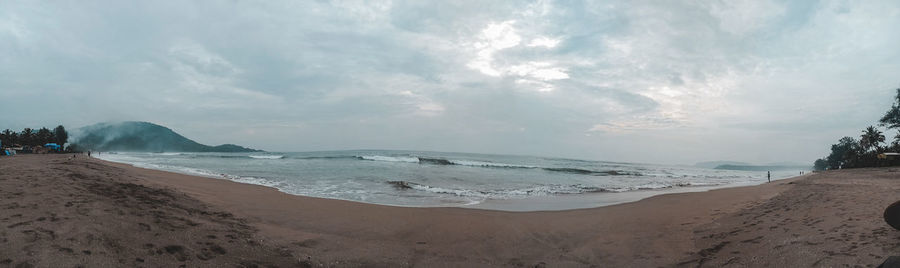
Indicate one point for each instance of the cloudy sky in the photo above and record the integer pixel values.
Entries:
(642, 81)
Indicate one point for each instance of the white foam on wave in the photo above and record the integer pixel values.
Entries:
(266, 156)
(547, 190)
(542, 190)
(413, 159)
(169, 154)
(662, 185)
(196, 172)
(257, 181)
(406, 159)
(486, 164)
(439, 190)
(180, 169)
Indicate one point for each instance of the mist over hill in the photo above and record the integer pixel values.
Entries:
(142, 137)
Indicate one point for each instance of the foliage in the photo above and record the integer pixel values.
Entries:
(27, 136)
(30, 137)
(850, 153)
(60, 135)
(43, 136)
(891, 118)
(820, 164)
(844, 154)
(9, 137)
(870, 139)
(895, 145)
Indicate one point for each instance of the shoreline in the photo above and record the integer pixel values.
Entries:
(553, 202)
(764, 225)
(379, 234)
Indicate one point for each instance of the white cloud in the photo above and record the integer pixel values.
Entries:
(539, 70)
(575, 75)
(494, 37)
(544, 42)
(499, 36)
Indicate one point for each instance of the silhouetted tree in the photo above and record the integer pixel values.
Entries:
(60, 135)
(848, 153)
(820, 164)
(43, 136)
(27, 137)
(9, 137)
(844, 154)
(895, 145)
(891, 118)
(871, 139)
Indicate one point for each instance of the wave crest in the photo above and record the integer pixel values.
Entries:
(594, 172)
(266, 156)
(541, 190)
(405, 159)
(473, 163)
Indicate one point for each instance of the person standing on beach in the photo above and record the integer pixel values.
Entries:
(769, 175)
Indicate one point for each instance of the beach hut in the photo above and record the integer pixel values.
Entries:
(888, 159)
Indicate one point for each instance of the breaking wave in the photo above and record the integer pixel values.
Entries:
(471, 163)
(500, 194)
(390, 158)
(266, 156)
(542, 190)
(593, 172)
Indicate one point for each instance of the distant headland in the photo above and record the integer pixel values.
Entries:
(131, 136)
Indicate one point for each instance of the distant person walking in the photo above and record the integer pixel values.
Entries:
(769, 175)
(89, 153)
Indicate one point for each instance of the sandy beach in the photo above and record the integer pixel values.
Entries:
(56, 211)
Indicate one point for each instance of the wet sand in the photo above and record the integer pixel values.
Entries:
(57, 211)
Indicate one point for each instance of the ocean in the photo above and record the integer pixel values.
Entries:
(441, 179)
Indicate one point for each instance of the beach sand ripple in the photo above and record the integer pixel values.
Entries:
(61, 212)
(827, 220)
(80, 213)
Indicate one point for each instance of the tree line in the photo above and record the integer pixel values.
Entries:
(852, 153)
(31, 137)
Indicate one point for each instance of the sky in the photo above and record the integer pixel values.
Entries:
(672, 82)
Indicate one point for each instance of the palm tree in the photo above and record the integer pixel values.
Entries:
(895, 145)
(871, 139)
(6, 137)
(61, 135)
(27, 137)
(10, 137)
(43, 136)
(891, 118)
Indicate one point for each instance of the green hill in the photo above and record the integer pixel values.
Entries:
(142, 137)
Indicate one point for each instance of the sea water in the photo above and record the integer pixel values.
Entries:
(432, 179)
